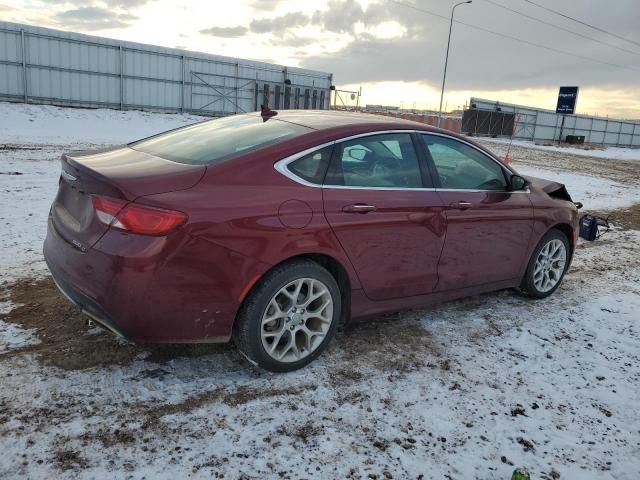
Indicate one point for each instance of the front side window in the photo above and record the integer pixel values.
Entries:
(461, 167)
(217, 140)
(385, 160)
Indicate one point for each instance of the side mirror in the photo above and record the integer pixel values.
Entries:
(517, 183)
(357, 153)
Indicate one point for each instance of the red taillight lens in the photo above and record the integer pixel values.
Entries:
(137, 218)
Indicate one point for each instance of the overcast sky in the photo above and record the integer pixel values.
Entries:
(394, 52)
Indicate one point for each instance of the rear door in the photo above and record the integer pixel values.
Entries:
(380, 203)
(488, 226)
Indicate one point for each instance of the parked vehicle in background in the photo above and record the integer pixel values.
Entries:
(273, 230)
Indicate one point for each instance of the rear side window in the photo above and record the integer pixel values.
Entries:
(312, 167)
(217, 140)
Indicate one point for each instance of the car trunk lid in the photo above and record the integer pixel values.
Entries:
(121, 173)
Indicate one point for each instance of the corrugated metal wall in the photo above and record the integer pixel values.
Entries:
(544, 125)
(41, 65)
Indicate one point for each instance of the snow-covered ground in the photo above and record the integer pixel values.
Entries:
(32, 139)
(48, 125)
(604, 152)
(596, 193)
(469, 389)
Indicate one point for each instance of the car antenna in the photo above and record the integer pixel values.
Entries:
(266, 112)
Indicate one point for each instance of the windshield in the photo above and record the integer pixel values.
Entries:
(217, 140)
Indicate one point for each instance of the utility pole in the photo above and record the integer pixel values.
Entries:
(446, 60)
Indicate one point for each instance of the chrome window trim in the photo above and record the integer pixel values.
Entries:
(281, 166)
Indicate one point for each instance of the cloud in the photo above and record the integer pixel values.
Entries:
(477, 60)
(226, 32)
(292, 40)
(126, 4)
(266, 5)
(340, 16)
(278, 25)
(94, 18)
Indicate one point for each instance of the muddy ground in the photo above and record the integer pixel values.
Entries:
(622, 171)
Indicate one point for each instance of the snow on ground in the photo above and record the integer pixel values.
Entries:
(32, 139)
(466, 390)
(469, 389)
(606, 153)
(595, 193)
(12, 336)
(49, 125)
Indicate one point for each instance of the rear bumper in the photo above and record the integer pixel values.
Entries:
(86, 304)
(153, 289)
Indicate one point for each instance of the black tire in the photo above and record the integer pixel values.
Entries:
(528, 285)
(247, 328)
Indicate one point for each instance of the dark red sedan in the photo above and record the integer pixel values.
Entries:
(272, 230)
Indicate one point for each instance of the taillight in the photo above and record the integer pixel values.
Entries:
(134, 218)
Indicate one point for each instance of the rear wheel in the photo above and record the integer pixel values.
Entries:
(289, 318)
(547, 265)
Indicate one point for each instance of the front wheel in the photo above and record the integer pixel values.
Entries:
(547, 265)
(290, 317)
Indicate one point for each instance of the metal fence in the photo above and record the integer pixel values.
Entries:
(41, 65)
(487, 122)
(546, 125)
(448, 122)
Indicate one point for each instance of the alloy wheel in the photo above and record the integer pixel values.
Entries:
(549, 265)
(296, 320)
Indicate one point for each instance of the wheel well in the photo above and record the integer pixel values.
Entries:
(568, 231)
(334, 267)
(341, 276)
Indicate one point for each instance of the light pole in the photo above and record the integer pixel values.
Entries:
(446, 60)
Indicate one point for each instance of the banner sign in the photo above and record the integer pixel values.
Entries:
(567, 98)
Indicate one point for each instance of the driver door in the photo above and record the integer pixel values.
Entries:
(488, 226)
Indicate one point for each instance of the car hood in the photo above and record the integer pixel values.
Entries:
(541, 183)
(551, 188)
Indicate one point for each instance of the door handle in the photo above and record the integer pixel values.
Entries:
(359, 208)
(461, 205)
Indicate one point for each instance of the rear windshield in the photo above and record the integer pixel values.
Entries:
(217, 140)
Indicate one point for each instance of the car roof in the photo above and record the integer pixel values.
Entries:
(336, 124)
(332, 119)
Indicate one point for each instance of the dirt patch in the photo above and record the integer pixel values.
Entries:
(622, 171)
(307, 432)
(110, 438)
(241, 396)
(628, 218)
(247, 394)
(342, 376)
(69, 460)
(65, 338)
(387, 343)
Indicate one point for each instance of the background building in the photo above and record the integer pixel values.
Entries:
(42, 65)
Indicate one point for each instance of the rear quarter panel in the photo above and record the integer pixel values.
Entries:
(247, 207)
